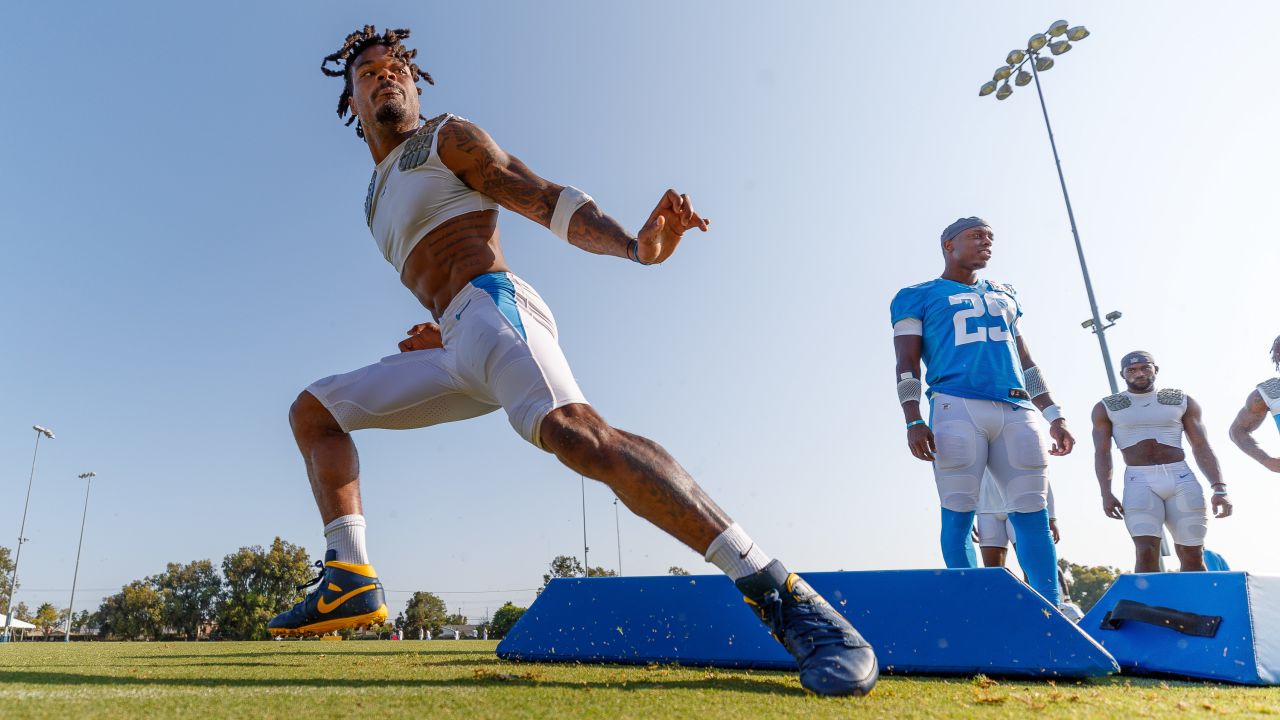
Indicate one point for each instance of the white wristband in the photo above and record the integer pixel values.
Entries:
(908, 390)
(1052, 413)
(571, 198)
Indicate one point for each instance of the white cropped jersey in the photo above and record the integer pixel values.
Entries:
(1270, 392)
(412, 192)
(1155, 415)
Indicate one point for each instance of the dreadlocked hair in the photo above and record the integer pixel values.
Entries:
(356, 43)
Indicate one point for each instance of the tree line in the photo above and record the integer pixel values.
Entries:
(234, 601)
(231, 601)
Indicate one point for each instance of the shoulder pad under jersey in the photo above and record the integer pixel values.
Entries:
(1271, 388)
(1170, 396)
(368, 200)
(417, 149)
(1005, 288)
(1119, 401)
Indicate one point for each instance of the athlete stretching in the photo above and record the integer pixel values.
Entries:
(1264, 399)
(432, 207)
(983, 389)
(1159, 487)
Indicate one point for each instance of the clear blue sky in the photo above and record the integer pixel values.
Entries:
(184, 250)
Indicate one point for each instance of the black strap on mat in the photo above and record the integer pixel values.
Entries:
(1183, 622)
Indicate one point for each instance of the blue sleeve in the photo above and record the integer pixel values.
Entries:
(908, 303)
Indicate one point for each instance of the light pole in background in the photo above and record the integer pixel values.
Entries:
(1013, 67)
(585, 572)
(617, 529)
(22, 530)
(71, 607)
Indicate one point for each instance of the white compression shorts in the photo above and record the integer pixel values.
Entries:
(500, 350)
(1165, 495)
(995, 530)
(977, 435)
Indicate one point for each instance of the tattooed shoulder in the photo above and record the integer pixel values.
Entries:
(463, 136)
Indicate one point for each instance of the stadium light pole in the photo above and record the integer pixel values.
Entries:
(617, 529)
(585, 565)
(22, 530)
(71, 606)
(1012, 68)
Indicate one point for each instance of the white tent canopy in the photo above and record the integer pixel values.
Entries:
(16, 624)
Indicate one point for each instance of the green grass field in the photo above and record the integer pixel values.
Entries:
(446, 679)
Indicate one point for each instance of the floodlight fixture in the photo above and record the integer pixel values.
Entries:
(43, 431)
(1057, 40)
(89, 474)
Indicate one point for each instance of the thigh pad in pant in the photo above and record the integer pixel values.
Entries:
(961, 454)
(1186, 515)
(1143, 508)
(399, 392)
(508, 351)
(1018, 461)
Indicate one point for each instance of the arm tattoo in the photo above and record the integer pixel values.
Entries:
(483, 166)
(595, 232)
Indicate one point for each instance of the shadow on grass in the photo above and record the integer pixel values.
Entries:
(73, 679)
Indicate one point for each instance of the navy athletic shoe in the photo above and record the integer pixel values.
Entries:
(833, 658)
(349, 596)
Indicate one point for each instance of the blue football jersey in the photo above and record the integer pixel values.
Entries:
(969, 348)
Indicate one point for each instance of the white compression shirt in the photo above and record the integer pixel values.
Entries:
(1155, 415)
(412, 192)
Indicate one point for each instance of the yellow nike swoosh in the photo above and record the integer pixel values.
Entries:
(326, 607)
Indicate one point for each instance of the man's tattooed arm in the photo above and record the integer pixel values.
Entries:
(477, 160)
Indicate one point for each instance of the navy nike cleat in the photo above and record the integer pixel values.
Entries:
(349, 596)
(833, 658)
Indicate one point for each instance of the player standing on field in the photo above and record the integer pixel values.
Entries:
(1160, 490)
(984, 390)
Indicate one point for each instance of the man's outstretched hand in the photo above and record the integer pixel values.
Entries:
(667, 223)
(423, 336)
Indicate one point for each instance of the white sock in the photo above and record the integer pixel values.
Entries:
(346, 536)
(735, 554)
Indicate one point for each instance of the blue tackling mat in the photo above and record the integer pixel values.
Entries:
(1212, 625)
(920, 621)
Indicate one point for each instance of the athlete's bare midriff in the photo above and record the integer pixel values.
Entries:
(1150, 452)
(450, 256)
